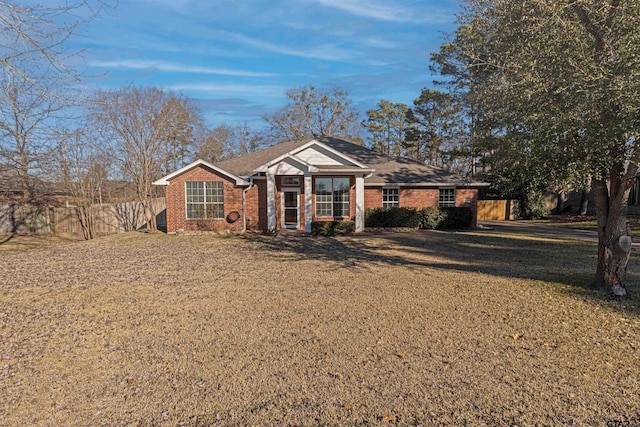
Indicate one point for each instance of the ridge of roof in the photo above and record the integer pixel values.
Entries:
(388, 169)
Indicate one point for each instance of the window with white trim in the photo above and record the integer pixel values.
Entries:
(447, 197)
(390, 197)
(205, 200)
(332, 197)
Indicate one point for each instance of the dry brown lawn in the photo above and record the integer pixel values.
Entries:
(425, 328)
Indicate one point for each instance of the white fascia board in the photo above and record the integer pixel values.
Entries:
(292, 154)
(165, 179)
(346, 171)
(265, 167)
(329, 149)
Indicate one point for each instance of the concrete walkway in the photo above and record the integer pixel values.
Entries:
(537, 229)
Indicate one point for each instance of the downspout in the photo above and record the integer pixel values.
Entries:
(244, 206)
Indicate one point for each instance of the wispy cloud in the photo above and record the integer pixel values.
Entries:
(236, 89)
(385, 11)
(137, 64)
(325, 52)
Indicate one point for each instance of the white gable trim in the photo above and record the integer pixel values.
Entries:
(294, 162)
(292, 159)
(292, 154)
(165, 179)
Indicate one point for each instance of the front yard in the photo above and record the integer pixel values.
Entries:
(425, 328)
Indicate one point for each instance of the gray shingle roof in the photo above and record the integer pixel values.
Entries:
(388, 170)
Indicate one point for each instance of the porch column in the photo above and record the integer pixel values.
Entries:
(359, 203)
(271, 202)
(308, 205)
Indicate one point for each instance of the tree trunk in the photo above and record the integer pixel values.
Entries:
(150, 215)
(614, 236)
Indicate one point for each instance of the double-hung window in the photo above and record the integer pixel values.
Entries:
(447, 197)
(332, 197)
(390, 197)
(205, 200)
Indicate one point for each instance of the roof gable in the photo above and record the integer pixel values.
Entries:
(313, 154)
(386, 170)
(165, 179)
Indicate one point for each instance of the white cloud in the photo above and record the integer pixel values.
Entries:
(138, 64)
(379, 43)
(327, 52)
(386, 11)
(237, 89)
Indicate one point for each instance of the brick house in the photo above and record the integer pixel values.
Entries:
(292, 184)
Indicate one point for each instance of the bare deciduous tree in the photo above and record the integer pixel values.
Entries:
(37, 33)
(312, 112)
(135, 125)
(27, 113)
(224, 141)
(34, 82)
(184, 126)
(83, 170)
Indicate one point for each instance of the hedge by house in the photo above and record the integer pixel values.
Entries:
(331, 228)
(428, 218)
(394, 217)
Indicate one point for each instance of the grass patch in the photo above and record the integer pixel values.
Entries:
(13, 243)
(578, 222)
(424, 328)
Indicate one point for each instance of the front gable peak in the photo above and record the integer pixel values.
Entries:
(165, 179)
(313, 155)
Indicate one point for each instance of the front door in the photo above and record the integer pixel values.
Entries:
(291, 208)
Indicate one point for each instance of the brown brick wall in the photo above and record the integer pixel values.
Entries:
(176, 206)
(372, 197)
(468, 197)
(418, 197)
(256, 206)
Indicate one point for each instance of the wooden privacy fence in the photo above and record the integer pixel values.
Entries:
(72, 221)
(497, 210)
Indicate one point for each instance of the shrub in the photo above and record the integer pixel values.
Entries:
(533, 205)
(430, 218)
(456, 218)
(331, 228)
(434, 218)
(394, 217)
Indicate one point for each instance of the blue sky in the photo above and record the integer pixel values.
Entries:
(237, 58)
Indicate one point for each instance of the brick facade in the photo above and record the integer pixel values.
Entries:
(419, 197)
(468, 197)
(256, 202)
(176, 203)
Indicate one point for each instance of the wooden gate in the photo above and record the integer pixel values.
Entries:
(494, 210)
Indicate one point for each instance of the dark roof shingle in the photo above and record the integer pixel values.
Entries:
(388, 170)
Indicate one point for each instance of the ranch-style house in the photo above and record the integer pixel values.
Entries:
(292, 184)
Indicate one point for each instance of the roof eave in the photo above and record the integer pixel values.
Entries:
(354, 170)
(165, 180)
(430, 184)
